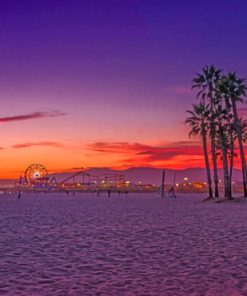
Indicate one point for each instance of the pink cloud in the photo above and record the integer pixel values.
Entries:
(34, 115)
(147, 152)
(26, 145)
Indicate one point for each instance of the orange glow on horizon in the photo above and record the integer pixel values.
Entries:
(64, 159)
(69, 151)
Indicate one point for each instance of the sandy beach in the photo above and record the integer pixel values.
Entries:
(135, 244)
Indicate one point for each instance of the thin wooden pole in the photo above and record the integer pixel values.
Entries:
(163, 183)
(174, 184)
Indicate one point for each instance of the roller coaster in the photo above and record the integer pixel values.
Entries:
(36, 177)
(85, 180)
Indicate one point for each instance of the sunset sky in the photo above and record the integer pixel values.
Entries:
(106, 83)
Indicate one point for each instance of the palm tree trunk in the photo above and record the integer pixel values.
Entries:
(229, 122)
(227, 193)
(231, 159)
(213, 146)
(228, 107)
(224, 160)
(240, 143)
(231, 168)
(216, 178)
(225, 170)
(205, 150)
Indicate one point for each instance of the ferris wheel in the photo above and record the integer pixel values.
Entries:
(34, 172)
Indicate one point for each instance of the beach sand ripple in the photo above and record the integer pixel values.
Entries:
(54, 244)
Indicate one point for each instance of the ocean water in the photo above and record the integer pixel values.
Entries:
(135, 244)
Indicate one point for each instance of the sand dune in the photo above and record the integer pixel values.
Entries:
(54, 244)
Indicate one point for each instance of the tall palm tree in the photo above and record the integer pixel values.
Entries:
(206, 82)
(197, 121)
(236, 89)
(226, 123)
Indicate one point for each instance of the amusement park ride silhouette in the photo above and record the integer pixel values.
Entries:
(36, 177)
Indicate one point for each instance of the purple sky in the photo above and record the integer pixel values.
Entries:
(119, 71)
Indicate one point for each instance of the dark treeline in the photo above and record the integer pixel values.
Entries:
(215, 118)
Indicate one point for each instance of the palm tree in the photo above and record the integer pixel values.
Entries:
(206, 82)
(235, 88)
(199, 126)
